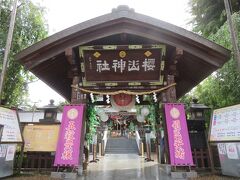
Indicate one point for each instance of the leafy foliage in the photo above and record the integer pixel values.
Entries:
(29, 28)
(61, 104)
(209, 15)
(222, 88)
(92, 122)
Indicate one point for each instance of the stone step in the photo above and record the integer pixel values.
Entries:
(121, 146)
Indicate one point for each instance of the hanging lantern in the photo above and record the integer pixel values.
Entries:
(144, 111)
(140, 118)
(104, 117)
(122, 102)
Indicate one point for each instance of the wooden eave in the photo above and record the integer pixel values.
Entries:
(46, 58)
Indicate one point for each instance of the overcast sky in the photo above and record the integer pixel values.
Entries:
(61, 14)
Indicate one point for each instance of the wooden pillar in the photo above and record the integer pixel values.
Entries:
(169, 96)
(75, 96)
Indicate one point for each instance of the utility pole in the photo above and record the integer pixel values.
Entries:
(234, 38)
(8, 46)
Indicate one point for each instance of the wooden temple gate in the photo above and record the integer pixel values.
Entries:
(186, 61)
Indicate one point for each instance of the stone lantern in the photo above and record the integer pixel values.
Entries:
(197, 110)
(196, 122)
(50, 113)
(196, 127)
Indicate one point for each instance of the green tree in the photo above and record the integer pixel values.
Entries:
(209, 19)
(30, 27)
(209, 15)
(222, 88)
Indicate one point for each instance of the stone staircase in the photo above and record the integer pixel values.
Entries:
(121, 145)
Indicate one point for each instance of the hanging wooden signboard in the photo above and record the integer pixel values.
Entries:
(118, 64)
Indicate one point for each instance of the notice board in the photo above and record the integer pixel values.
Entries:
(7, 152)
(41, 138)
(225, 124)
(229, 155)
(11, 131)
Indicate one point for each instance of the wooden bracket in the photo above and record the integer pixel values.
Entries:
(72, 60)
(70, 55)
(177, 55)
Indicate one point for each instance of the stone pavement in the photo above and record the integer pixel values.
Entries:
(124, 167)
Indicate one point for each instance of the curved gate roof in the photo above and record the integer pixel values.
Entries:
(46, 59)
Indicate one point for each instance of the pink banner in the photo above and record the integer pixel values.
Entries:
(67, 153)
(178, 138)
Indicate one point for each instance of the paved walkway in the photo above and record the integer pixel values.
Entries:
(124, 167)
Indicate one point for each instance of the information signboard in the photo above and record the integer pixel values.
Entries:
(7, 152)
(229, 156)
(11, 131)
(225, 124)
(41, 138)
